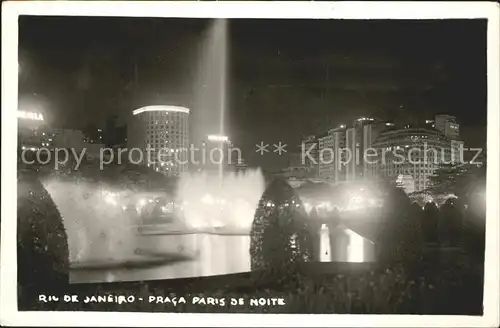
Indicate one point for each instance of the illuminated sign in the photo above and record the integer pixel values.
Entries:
(29, 115)
(218, 138)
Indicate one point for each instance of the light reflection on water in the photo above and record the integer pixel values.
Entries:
(100, 233)
(218, 254)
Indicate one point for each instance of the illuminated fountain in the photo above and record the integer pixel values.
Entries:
(224, 199)
(226, 202)
(97, 229)
(222, 203)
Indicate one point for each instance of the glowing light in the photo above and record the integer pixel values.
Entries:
(142, 202)
(218, 138)
(364, 119)
(110, 199)
(207, 199)
(29, 115)
(218, 224)
(161, 108)
(342, 126)
(355, 250)
(325, 248)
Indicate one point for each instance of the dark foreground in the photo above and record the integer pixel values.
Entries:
(447, 283)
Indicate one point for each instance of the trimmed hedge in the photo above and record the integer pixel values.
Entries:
(280, 235)
(42, 242)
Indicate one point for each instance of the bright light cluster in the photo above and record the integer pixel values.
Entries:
(161, 108)
(29, 115)
(218, 138)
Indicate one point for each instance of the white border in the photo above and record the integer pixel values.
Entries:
(322, 10)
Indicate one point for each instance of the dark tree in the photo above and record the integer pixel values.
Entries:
(430, 221)
(400, 235)
(450, 223)
(472, 193)
(42, 242)
(314, 226)
(279, 234)
(416, 209)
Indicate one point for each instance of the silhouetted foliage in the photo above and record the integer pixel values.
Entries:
(473, 196)
(430, 221)
(450, 224)
(42, 242)
(416, 209)
(400, 235)
(280, 235)
(396, 204)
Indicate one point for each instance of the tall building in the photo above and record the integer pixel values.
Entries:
(359, 138)
(415, 152)
(33, 133)
(448, 125)
(331, 154)
(165, 129)
(218, 155)
(457, 152)
(310, 146)
(352, 148)
(296, 168)
(371, 131)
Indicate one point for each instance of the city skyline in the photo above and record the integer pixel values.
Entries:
(277, 91)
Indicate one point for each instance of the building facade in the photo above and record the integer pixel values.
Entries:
(448, 125)
(415, 152)
(33, 132)
(359, 140)
(332, 155)
(218, 155)
(164, 130)
(310, 155)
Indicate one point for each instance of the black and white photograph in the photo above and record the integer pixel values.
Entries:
(250, 158)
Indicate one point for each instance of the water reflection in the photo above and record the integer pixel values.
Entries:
(203, 255)
(341, 244)
(195, 255)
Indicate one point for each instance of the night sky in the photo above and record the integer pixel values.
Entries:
(287, 78)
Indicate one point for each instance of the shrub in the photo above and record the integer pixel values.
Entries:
(450, 224)
(400, 236)
(280, 234)
(430, 221)
(42, 242)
